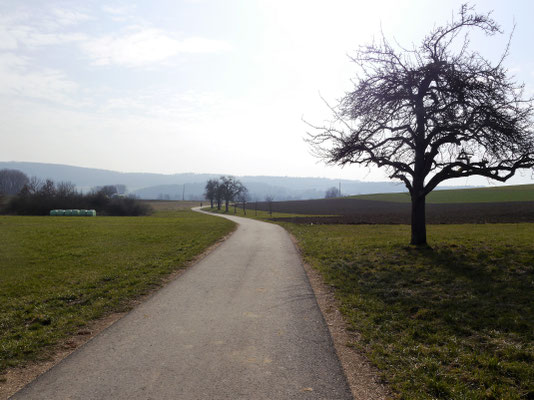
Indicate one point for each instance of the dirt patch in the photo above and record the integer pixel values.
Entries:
(14, 379)
(362, 377)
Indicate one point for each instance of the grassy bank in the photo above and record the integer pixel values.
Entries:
(455, 322)
(476, 195)
(58, 273)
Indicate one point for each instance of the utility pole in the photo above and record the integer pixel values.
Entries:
(183, 193)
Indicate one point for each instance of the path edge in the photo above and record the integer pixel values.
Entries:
(362, 376)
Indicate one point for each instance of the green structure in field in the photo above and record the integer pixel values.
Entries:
(73, 213)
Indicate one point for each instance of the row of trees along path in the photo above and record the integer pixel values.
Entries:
(432, 113)
(226, 189)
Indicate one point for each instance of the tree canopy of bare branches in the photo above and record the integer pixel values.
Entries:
(431, 113)
(210, 191)
(12, 181)
(332, 193)
(226, 188)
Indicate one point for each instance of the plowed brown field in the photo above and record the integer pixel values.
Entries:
(354, 211)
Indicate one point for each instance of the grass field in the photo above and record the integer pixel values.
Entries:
(455, 322)
(58, 273)
(478, 195)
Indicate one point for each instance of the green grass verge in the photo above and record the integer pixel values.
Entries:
(59, 273)
(478, 195)
(455, 322)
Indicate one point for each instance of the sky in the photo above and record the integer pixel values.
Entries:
(205, 86)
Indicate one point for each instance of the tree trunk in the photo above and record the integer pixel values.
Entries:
(418, 220)
(226, 205)
(417, 191)
(211, 202)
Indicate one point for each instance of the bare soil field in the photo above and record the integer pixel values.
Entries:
(355, 211)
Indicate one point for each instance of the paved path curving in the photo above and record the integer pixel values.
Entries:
(243, 323)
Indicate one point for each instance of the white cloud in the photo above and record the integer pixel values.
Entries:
(9, 61)
(115, 10)
(14, 34)
(69, 16)
(186, 109)
(146, 46)
(36, 39)
(120, 13)
(200, 45)
(7, 40)
(134, 45)
(139, 48)
(17, 80)
(11, 32)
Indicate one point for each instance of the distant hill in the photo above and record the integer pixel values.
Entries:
(171, 186)
(473, 195)
(86, 178)
(281, 188)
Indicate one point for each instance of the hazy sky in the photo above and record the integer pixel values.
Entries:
(202, 86)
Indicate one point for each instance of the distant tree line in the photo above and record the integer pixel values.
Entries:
(332, 193)
(33, 196)
(12, 181)
(226, 189)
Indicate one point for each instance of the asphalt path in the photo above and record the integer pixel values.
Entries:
(242, 323)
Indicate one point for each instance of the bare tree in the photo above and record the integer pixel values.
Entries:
(226, 190)
(230, 188)
(432, 113)
(332, 192)
(242, 196)
(269, 200)
(210, 191)
(12, 181)
(48, 189)
(107, 190)
(219, 195)
(65, 189)
(33, 186)
(121, 188)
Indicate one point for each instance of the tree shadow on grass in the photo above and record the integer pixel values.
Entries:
(455, 319)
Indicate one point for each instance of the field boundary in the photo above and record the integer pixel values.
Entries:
(15, 378)
(362, 377)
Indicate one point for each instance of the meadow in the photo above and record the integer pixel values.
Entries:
(60, 273)
(453, 321)
(496, 194)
